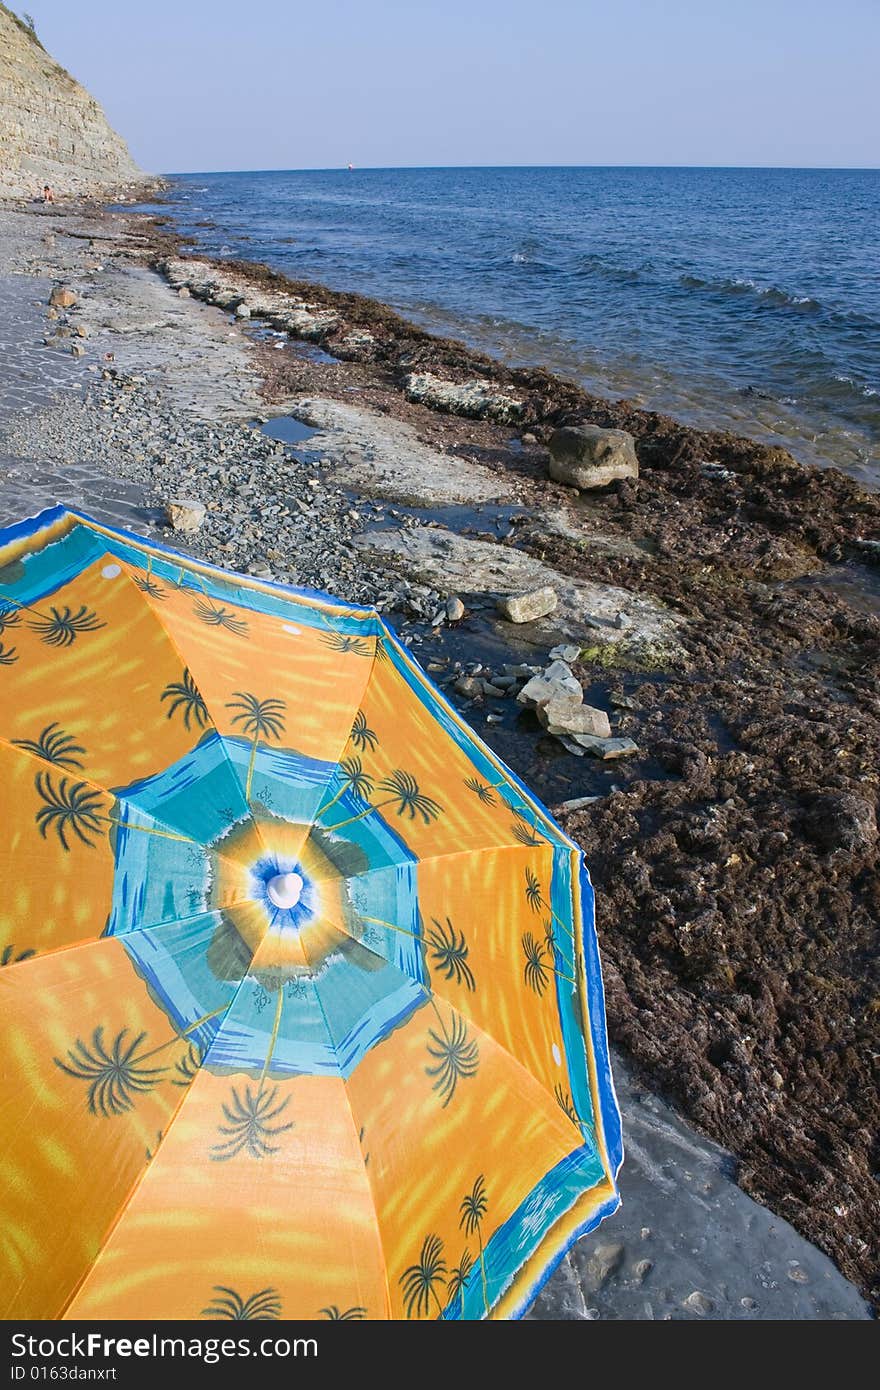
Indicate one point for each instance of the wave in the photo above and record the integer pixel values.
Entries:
(609, 270)
(742, 285)
(869, 392)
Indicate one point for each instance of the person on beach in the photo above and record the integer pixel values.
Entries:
(48, 195)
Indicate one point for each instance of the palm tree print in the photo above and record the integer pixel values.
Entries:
(524, 832)
(260, 719)
(116, 1075)
(472, 1210)
(455, 1053)
(251, 1123)
(404, 791)
(217, 615)
(186, 1068)
(404, 795)
(53, 746)
(147, 585)
(64, 626)
(9, 616)
(263, 1306)
(352, 779)
(186, 696)
(483, 791)
(552, 948)
(537, 902)
(70, 807)
(459, 1274)
(343, 642)
(533, 891)
(536, 969)
(566, 1104)
(355, 1314)
(420, 1281)
(362, 736)
(449, 952)
(8, 655)
(9, 957)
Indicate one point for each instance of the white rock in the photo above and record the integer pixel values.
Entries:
(525, 608)
(605, 748)
(560, 673)
(537, 692)
(565, 652)
(454, 610)
(475, 399)
(184, 513)
(698, 1303)
(578, 803)
(565, 714)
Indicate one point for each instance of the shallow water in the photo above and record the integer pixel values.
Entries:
(745, 298)
(287, 429)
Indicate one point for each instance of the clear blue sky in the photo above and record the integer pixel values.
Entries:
(263, 84)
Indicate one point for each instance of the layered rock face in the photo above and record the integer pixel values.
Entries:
(51, 130)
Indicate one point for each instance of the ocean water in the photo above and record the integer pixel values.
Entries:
(738, 298)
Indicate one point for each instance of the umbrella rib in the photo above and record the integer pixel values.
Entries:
(121, 937)
(356, 1132)
(434, 993)
(208, 706)
(172, 642)
(132, 1193)
(129, 1198)
(491, 756)
(160, 827)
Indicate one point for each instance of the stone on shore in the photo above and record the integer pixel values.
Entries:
(538, 691)
(184, 514)
(477, 400)
(525, 608)
(454, 610)
(566, 714)
(586, 456)
(605, 748)
(560, 673)
(565, 652)
(63, 297)
(578, 803)
(605, 1261)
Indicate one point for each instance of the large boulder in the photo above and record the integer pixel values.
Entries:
(585, 456)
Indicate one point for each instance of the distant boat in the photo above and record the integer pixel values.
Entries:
(350, 167)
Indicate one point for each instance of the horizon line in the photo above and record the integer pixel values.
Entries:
(394, 168)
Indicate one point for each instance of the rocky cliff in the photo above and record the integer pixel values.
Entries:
(51, 130)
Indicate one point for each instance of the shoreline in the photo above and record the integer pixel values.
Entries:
(727, 543)
(705, 338)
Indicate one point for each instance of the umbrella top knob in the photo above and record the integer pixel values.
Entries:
(284, 890)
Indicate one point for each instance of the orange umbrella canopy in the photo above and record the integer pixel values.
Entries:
(301, 1007)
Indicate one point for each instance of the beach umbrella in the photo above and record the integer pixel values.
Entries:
(301, 1005)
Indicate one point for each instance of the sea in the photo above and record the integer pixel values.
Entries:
(745, 299)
